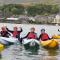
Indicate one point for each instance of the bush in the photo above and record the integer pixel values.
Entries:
(41, 9)
(33, 10)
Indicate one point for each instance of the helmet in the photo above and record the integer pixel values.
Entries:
(42, 29)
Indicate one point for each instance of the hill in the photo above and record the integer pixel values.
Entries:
(29, 1)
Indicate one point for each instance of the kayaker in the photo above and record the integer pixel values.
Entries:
(43, 36)
(31, 34)
(15, 32)
(4, 32)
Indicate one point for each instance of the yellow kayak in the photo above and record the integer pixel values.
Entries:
(50, 43)
(1, 47)
(56, 36)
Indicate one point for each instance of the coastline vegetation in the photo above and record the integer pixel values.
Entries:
(33, 10)
(30, 10)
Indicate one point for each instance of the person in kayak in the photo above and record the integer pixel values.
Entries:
(31, 35)
(15, 32)
(43, 36)
(4, 32)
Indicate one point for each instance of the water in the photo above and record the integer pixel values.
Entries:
(17, 52)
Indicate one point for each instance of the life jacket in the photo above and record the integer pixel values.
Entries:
(31, 35)
(4, 34)
(15, 33)
(44, 37)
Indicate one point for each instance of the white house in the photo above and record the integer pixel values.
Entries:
(57, 19)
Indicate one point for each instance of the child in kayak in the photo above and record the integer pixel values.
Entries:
(4, 32)
(43, 36)
(15, 33)
(31, 35)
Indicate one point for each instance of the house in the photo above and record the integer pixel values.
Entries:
(57, 19)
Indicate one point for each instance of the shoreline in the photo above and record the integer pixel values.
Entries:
(29, 24)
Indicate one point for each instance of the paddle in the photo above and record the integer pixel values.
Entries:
(58, 30)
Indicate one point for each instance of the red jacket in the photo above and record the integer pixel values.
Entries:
(44, 37)
(15, 33)
(31, 35)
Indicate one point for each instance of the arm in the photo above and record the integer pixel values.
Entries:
(26, 35)
(49, 38)
(39, 37)
(9, 34)
(1, 33)
(9, 30)
(36, 36)
(20, 31)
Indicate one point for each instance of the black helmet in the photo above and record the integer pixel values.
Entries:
(42, 29)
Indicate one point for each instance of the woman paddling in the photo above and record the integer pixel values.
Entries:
(16, 33)
(43, 36)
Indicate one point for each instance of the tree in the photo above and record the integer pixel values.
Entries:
(18, 9)
(55, 9)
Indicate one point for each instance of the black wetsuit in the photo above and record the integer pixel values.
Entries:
(4, 34)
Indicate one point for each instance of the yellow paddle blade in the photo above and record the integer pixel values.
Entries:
(1, 47)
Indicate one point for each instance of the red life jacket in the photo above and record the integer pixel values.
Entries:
(15, 33)
(31, 35)
(4, 33)
(44, 37)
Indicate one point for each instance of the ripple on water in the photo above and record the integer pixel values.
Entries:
(17, 52)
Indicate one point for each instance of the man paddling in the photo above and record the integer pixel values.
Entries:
(43, 36)
(31, 34)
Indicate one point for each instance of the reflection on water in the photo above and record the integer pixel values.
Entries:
(17, 52)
